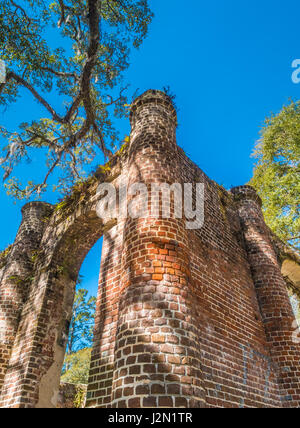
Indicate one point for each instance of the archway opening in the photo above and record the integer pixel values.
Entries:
(76, 367)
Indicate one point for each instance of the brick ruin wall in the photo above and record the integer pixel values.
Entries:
(184, 318)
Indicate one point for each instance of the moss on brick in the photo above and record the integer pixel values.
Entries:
(4, 256)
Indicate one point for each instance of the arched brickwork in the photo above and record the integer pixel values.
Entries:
(35, 361)
(185, 318)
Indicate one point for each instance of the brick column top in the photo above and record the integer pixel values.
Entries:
(246, 193)
(38, 205)
(155, 97)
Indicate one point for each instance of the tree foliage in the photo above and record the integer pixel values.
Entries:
(77, 50)
(277, 172)
(78, 353)
(82, 323)
(77, 366)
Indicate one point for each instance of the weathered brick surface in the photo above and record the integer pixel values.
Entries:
(71, 396)
(157, 344)
(185, 318)
(275, 305)
(17, 274)
(103, 355)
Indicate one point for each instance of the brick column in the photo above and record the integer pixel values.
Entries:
(272, 295)
(106, 319)
(157, 355)
(17, 275)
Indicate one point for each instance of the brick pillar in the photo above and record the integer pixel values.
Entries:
(272, 295)
(157, 355)
(102, 361)
(17, 275)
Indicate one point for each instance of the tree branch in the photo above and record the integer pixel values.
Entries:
(105, 150)
(85, 79)
(82, 118)
(27, 85)
(62, 14)
(55, 116)
(7, 79)
(60, 73)
(17, 6)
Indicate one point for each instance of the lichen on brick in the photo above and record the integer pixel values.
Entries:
(4, 255)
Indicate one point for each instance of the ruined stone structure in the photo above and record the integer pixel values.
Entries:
(185, 318)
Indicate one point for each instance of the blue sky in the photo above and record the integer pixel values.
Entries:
(229, 64)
